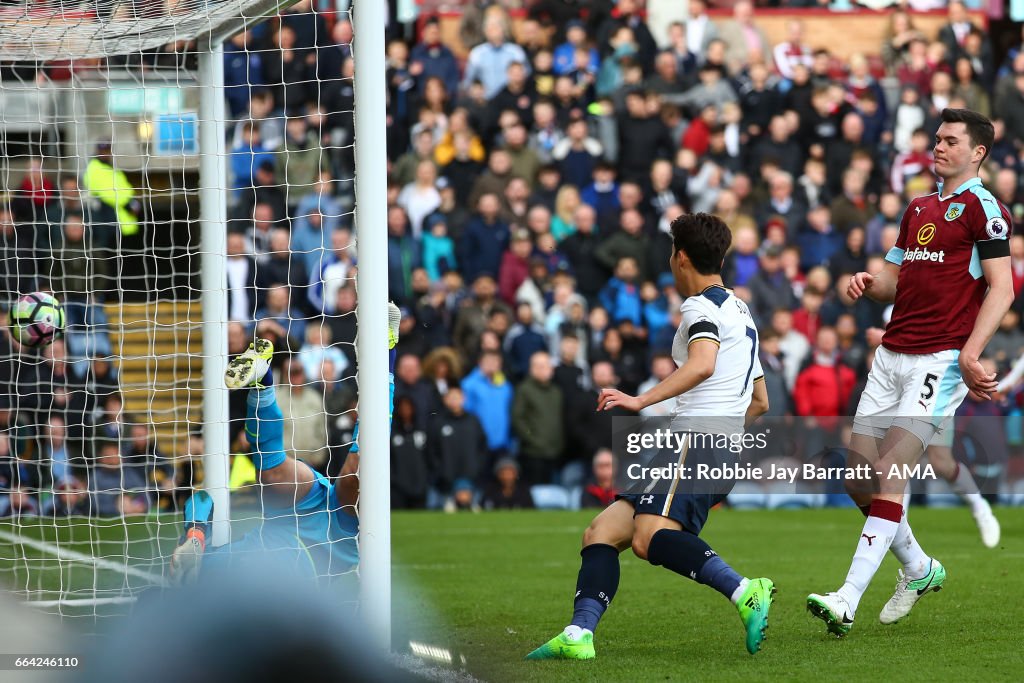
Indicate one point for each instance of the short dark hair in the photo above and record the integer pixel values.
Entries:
(704, 238)
(979, 128)
(108, 443)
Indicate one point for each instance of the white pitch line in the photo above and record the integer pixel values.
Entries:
(74, 556)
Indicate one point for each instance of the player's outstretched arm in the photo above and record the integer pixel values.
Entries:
(880, 286)
(758, 402)
(700, 364)
(997, 301)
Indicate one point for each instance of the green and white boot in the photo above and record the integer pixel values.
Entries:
(909, 591)
(834, 610)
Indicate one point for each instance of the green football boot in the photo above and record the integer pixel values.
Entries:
(753, 606)
(563, 647)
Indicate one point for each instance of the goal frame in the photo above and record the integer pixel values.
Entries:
(369, 19)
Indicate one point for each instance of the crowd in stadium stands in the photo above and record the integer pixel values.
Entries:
(531, 186)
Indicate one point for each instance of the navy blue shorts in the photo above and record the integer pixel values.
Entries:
(687, 499)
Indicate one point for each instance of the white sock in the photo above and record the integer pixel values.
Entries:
(908, 551)
(735, 597)
(573, 632)
(965, 487)
(906, 548)
(875, 540)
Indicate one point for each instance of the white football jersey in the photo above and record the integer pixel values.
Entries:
(717, 315)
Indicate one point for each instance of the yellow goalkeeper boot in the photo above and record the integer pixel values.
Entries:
(249, 369)
(394, 320)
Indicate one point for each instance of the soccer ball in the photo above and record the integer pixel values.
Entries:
(36, 319)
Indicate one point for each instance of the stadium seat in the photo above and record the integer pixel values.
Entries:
(940, 495)
(837, 500)
(788, 497)
(1014, 494)
(747, 495)
(551, 497)
(574, 497)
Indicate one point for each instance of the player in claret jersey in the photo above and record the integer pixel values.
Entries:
(949, 276)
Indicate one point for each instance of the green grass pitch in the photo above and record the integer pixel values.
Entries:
(502, 584)
(493, 586)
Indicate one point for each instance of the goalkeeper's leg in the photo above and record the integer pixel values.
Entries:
(346, 487)
(284, 481)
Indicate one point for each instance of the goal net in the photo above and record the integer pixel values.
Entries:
(172, 241)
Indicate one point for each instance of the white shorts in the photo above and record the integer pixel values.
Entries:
(918, 392)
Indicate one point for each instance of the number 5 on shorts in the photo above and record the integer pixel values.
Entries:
(929, 389)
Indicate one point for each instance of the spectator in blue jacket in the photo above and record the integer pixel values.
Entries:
(657, 303)
(485, 239)
(525, 338)
(310, 239)
(621, 296)
(316, 217)
(603, 193)
(820, 241)
(488, 62)
(334, 270)
(565, 54)
(489, 397)
(741, 263)
(578, 153)
(430, 58)
(243, 70)
(248, 156)
(438, 247)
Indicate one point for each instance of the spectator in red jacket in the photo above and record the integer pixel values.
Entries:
(697, 137)
(807, 318)
(822, 390)
(36, 191)
(515, 266)
(600, 491)
(915, 161)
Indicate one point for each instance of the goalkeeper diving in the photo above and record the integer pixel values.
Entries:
(307, 520)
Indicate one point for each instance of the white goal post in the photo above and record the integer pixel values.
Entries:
(372, 345)
(55, 30)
